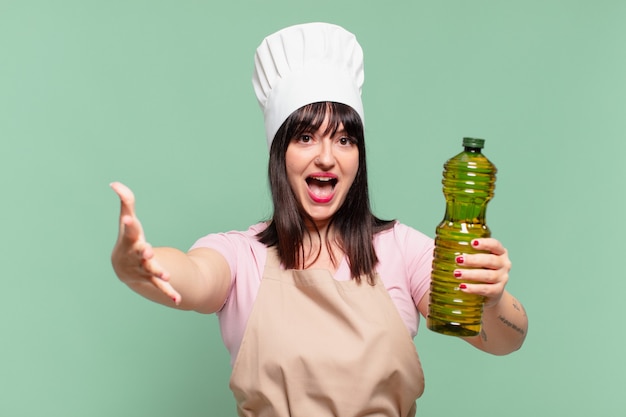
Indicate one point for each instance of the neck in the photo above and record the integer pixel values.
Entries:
(321, 249)
(320, 226)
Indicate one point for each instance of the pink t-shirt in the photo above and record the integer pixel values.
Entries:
(404, 254)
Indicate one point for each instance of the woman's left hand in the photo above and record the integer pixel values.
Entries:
(487, 273)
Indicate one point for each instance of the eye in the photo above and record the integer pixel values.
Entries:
(346, 140)
(305, 138)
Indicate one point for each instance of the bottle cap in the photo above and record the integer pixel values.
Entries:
(474, 143)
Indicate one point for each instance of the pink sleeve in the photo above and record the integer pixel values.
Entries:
(405, 258)
(225, 245)
(419, 255)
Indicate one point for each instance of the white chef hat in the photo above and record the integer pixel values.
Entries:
(305, 64)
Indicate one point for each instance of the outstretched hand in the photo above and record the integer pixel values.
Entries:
(132, 257)
(489, 273)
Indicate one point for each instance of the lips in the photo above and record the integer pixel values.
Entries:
(321, 187)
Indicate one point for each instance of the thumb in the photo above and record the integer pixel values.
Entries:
(127, 199)
(130, 227)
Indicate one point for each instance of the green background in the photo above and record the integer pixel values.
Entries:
(157, 94)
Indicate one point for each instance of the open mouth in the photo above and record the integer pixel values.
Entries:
(321, 187)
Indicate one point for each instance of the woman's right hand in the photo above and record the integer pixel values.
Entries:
(132, 257)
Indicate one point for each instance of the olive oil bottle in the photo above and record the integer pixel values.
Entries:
(468, 185)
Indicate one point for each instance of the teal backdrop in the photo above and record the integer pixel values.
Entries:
(157, 94)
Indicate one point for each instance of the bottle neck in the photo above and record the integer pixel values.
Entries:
(472, 149)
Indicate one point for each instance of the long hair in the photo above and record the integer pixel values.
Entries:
(353, 224)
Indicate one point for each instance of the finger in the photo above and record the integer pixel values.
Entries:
(485, 276)
(491, 292)
(489, 244)
(127, 209)
(486, 290)
(167, 289)
(131, 229)
(127, 199)
(152, 266)
(482, 260)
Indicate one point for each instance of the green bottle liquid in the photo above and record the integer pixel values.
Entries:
(468, 183)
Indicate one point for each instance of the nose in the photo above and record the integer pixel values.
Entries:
(326, 157)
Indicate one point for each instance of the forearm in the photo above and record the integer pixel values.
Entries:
(504, 327)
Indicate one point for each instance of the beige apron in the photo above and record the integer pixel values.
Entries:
(318, 347)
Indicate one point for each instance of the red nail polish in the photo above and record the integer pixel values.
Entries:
(459, 259)
(462, 286)
(457, 274)
(474, 243)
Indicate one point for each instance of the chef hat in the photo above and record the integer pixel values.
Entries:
(304, 64)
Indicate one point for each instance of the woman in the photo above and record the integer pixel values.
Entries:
(317, 306)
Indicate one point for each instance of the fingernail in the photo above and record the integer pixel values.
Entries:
(474, 242)
(462, 286)
(459, 259)
(457, 274)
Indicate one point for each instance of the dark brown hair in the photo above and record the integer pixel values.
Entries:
(354, 224)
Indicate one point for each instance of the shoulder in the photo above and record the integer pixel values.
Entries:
(232, 238)
(241, 249)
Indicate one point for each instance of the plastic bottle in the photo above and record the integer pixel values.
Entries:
(468, 185)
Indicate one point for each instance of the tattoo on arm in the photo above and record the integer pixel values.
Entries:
(518, 306)
(483, 335)
(511, 325)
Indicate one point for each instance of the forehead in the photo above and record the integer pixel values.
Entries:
(329, 127)
(327, 124)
